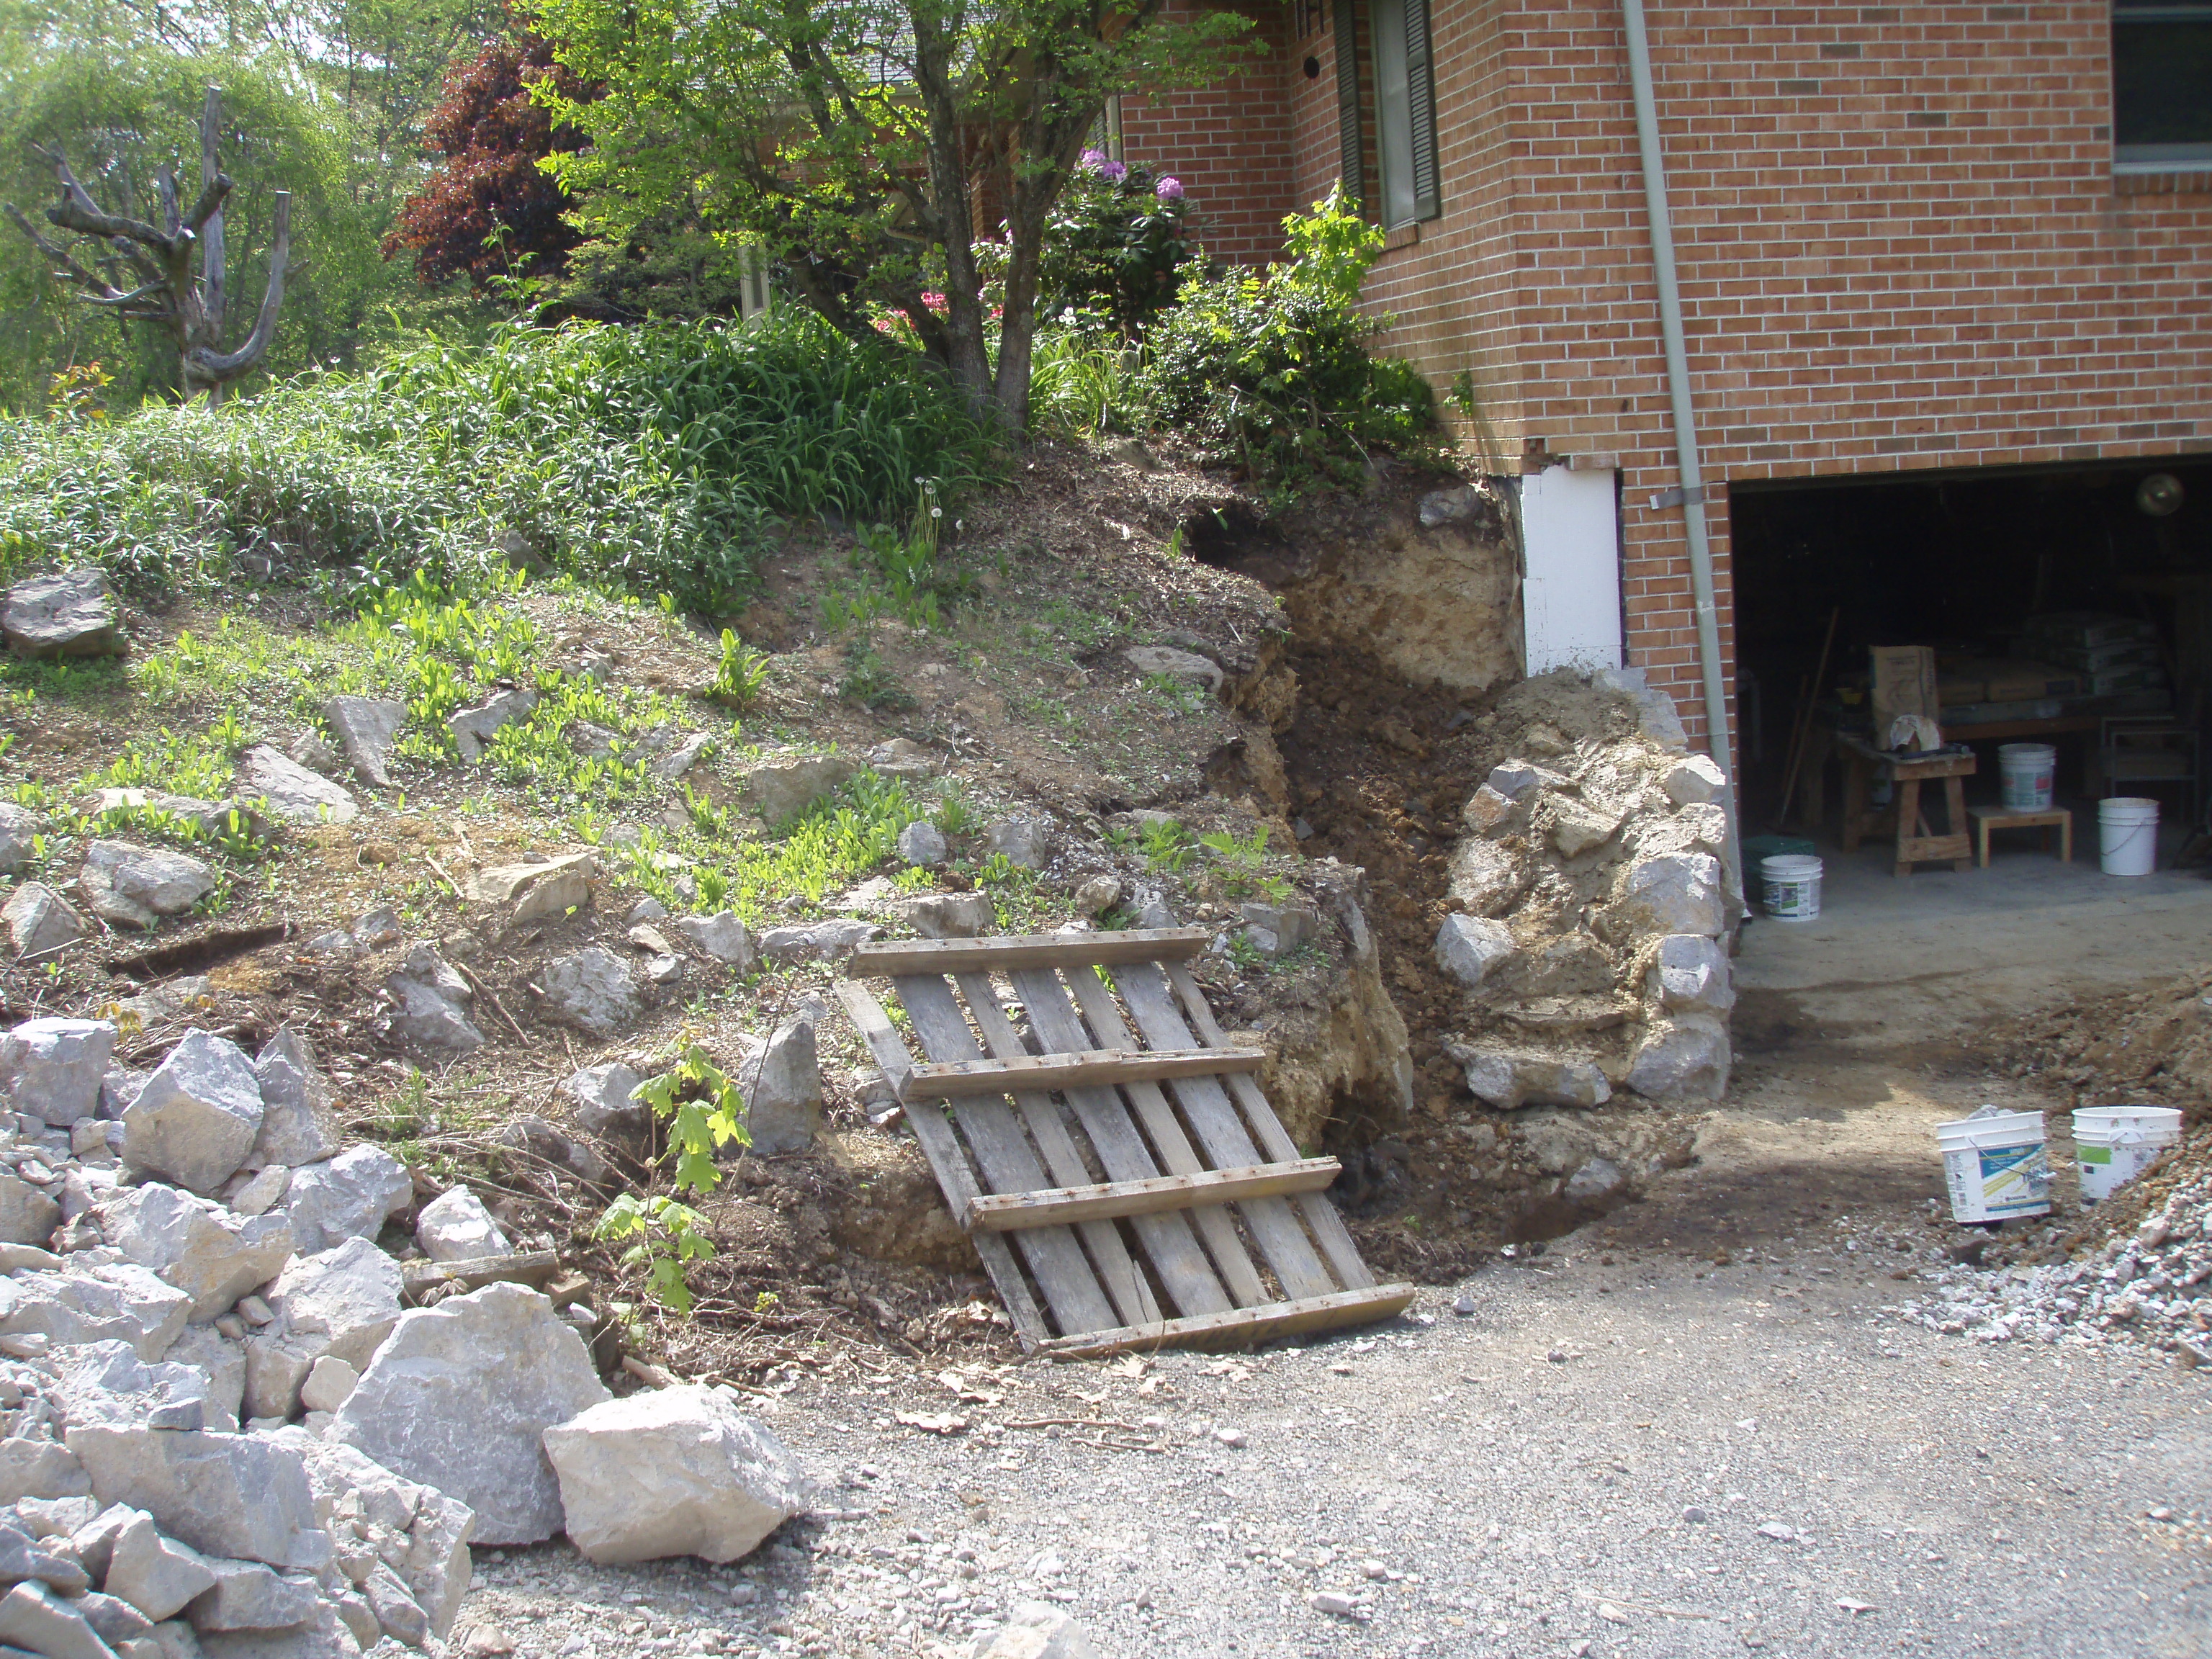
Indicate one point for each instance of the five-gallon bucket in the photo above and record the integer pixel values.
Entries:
(1792, 885)
(2113, 1144)
(2028, 770)
(1994, 1165)
(2127, 834)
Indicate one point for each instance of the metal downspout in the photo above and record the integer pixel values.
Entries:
(1686, 422)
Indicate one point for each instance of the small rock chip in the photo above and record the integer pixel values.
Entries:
(1780, 1533)
(1334, 1602)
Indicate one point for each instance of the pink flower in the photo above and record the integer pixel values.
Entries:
(1169, 190)
(1092, 160)
(935, 302)
(1112, 171)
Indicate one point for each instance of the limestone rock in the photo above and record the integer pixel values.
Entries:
(198, 1116)
(531, 892)
(600, 1099)
(34, 1618)
(19, 830)
(436, 1527)
(535, 1136)
(1096, 896)
(1684, 1058)
(366, 728)
(1693, 779)
(427, 1023)
(158, 1576)
(681, 758)
(1468, 947)
(348, 1196)
(224, 1494)
(222, 1362)
(825, 941)
(108, 1382)
(246, 1596)
(591, 990)
(41, 922)
(329, 1382)
(1672, 893)
(28, 1216)
(51, 1068)
(38, 1468)
(68, 614)
(902, 757)
(922, 842)
(1656, 716)
(1575, 828)
(1280, 930)
(1506, 1078)
(347, 1298)
(207, 1251)
(1483, 878)
(1037, 1630)
(669, 1471)
(1182, 665)
(75, 1304)
(297, 1124)
(781, 1082)
(460, 1395)
(949, 915)
(136, 886)
(324, 1636)
(472, 728)
(1490, 815)
(1691, 975)
(720, 936)
(456, 1227)
(1024, 841)
(311, 750)
(294, 794)
(1457, 505)
(782, 789)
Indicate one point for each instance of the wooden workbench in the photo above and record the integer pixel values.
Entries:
(1916, 843)
(1823, 743)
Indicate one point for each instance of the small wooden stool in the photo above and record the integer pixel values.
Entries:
(1987, 819)
(1917, 841)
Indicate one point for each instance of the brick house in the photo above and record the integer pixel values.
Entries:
(1956, 246)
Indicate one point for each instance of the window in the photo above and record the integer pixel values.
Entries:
(1404, 108)
(2162, 85)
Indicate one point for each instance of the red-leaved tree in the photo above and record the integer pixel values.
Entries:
(489, 212)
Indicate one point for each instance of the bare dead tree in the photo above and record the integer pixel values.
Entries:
(143, 272)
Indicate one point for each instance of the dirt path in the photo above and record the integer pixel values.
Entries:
(1690, 1429)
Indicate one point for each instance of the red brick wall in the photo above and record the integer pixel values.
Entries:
(1901, 243)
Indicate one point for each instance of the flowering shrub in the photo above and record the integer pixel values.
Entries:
(1116, 248)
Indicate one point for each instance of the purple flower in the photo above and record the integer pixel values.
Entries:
(1169, 190)
(1113, 172)
(1092, 160)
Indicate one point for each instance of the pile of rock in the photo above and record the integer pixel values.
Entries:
(1590, 902)
(224, 1425)
(2152, 1286)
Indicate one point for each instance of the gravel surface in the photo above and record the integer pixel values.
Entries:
(1655, 1455)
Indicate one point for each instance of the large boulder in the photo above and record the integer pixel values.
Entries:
(34, 1619)
(456, 1227)
(19, 837)
(545, 891)
(246, 1596)
(473, 728)
(600, 1099)
(31, 1468)
(297, 1124)
(41, 922)
(233, 1495)
(51, 1068)
(196, 1120)
(107, 1383)
(347, 1299)
(350, 1196)
(782, 789)
(1693, 779)
(375, 1513)
(324, 1636)
(460, 1395)
(28, 1216)
(366, 728)
(1507, 1077)
(1484, 878)
(1684, 1058)
(721, 936)
(1690, 974)
(68, 614)
(294, 794)
(781, 1082)
(1672, 893)
(1469, 947)
(136, 886)
(675, 1471)
(948, 915)
(593, 991)
(158, 1576)
(77, 1303)
(206, 1250)
(822, 941)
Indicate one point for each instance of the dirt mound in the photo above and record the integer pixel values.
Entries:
(2144, 1047)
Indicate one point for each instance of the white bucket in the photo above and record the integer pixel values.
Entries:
(2113, 1144)
(1995, 1166)
(2127, 834)
(2028, 770)
(1792, 885)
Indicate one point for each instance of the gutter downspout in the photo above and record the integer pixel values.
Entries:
(1686, 423)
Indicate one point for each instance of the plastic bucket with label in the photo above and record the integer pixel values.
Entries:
(1790, 885)
(2028, 770)
(2113, 1144)
(2127, 834)
(1994, 1166)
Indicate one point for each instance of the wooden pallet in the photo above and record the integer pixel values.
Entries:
(1111, 1155)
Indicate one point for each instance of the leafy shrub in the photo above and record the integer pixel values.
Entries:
(1116, 247)
(651, 459)
(1272, 371)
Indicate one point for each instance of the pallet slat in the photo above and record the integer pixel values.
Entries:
(1245, 1326)
(1010, 1212)
(897, 958)
(1063, 1071)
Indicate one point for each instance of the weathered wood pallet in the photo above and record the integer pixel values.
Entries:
(1107, 1148)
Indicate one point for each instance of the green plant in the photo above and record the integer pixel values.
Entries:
(743, 674)
(665, 1238)
(956, 814)
(1117, 245)
(869, 681)
(1180, 694)
(1247, 954)
(1167, 845)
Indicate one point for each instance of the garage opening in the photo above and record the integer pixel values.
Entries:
(2069, 607)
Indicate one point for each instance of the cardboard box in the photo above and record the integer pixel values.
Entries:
(1904, 683)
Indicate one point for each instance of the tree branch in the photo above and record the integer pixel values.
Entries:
(213, 368)
(77, 211)
(207, 216)
(75, 272)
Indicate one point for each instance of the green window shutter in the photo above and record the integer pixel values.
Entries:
(1351, 163)
(1421, 101)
